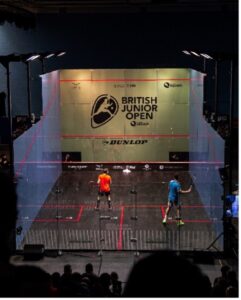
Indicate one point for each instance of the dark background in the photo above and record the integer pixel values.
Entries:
(138, 36)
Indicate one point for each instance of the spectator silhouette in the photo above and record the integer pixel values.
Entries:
(105, 282)
(231, 292)
(89, 273)
(33, 282)
(8, 219)
(66, 281)
(220, 283)
(224, 271)
(164, 274)
(22, 281)
(219, 288)
(116, 287)
(92, 279)
(79, 288)
(56, 282)
(232, 279)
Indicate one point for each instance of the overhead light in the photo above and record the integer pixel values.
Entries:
(206, 55)
(60, 53)
(48, 55)
(32, 57)
(186, 52)
(195, 53)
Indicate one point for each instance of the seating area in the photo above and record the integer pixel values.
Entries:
(150, 275)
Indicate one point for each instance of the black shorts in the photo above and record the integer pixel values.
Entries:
(174, 202)
(102, 193)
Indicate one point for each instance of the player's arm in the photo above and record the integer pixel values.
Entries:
(186, 191)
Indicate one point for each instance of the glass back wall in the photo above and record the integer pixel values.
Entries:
(37, 158)
(206, 157)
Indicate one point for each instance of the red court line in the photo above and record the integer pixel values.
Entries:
(162, 211)
(119, 246)
(62, 205)
(142, 205)
(158, 205)
(200, 221)
(53, 220)
(195, 221)
(200, 206)
(51, 205)
(100, 136)
(125, 206)
(79, 214)
(130, 79)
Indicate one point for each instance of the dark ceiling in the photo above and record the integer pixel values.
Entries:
(23, 12)
(88, 6)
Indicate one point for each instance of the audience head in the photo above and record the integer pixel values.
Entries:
(114, 276)
(67, 269)
(224, 270)
(89, 268)
(32, 281)
(231, 292)
(165, 274)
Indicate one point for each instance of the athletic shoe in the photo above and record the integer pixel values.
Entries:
(180, 223)
(164, 222)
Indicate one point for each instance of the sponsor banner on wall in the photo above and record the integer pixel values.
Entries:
(70, 157)
(125, 115)
(147, 167)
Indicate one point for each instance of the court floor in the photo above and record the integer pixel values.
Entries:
(68, 220)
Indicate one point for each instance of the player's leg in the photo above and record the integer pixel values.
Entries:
(109, 200)
(98, 200)
(179, 218)
(169, 206)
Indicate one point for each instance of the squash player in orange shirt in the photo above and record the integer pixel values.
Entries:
(104, 181)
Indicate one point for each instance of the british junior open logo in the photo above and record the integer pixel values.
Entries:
(103, 110)
(138, 110)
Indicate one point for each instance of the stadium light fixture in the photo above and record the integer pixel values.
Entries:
(195, 53)
(60, 53)
(206, 56)
(186, 52)
(47, 55)
(31, 57)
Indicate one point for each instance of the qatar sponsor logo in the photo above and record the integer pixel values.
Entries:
(168, 85)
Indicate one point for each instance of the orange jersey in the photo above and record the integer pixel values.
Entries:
(104, 181)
